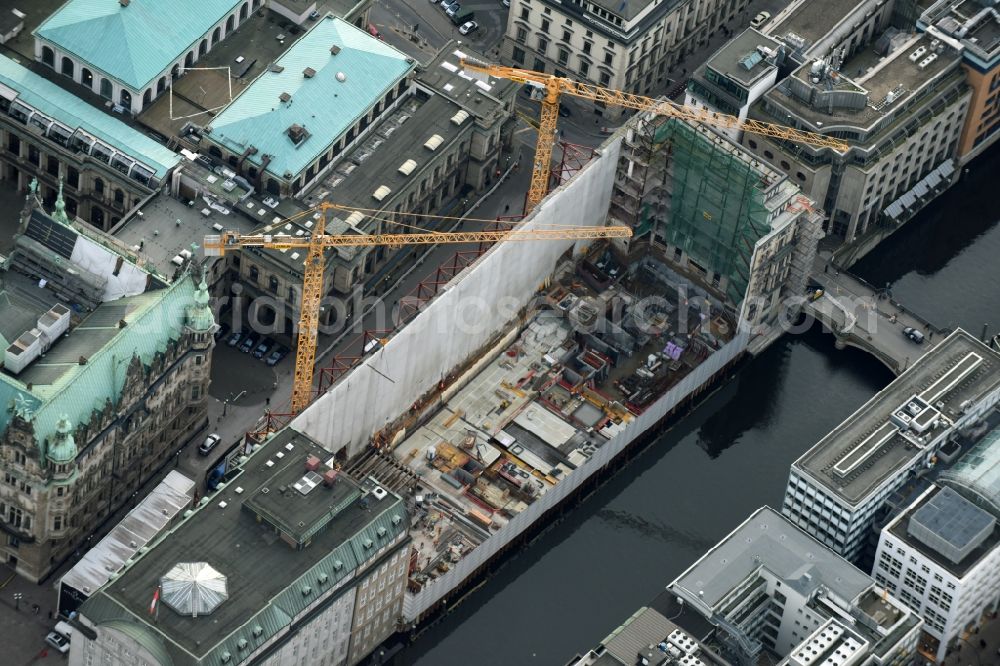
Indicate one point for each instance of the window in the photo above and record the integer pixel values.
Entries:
(605, 79)
(545, 25)
(522, 35)
(543, 44)
(525, 13)
(563, 56)
(199, 359)
(33, 155)
(517, 55)
(584, 68)
(586, 47)
(57, 523)
(272, 284)
(608, 58)
(119, 196)
(567, 36)
(195, 392)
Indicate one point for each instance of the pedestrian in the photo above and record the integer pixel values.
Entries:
(506, 208)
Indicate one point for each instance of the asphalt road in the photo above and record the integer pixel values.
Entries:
(420, 27)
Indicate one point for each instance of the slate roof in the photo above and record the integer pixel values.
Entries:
(323, 105)
(71, 111)
(136, 43)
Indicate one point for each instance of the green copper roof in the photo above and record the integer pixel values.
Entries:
(199, 316)
(63, 448)
(133, 44)
(151, 319)
(325, 106)
(73, 112)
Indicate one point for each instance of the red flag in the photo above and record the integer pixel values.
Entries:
(156, 597)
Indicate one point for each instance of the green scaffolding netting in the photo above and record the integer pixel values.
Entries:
(717, 212)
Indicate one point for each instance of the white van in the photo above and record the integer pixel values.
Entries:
(60, 637)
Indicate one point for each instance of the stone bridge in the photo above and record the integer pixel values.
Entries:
(859, 315)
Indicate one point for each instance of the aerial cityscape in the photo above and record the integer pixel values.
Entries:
(501, 333)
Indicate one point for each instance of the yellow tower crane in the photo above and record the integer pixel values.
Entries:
(318, 241)
(554, 86)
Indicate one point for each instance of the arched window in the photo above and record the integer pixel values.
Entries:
(216, 36)
(273, 187)
(67, 67)
(147, 97)
(125, 99)
(87, 78)
(107, 91)
(244, 10)
(189, 59)
(48, 56)
(119, 196)
(203, 48)
(99, 187)
(214, 151)
(230, 23)
(161, 85)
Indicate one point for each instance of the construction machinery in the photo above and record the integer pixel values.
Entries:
(318, 242)
(554, 86)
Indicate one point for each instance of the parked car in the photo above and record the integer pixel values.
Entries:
(210, 443)
(453, 9)
(760, 19)
(271, 202)
(262, 349)
(467, 27)
(221, 331)
(505, 3)
(914, 334)
(249, 343)
(235, 338)
(313, 15)
(276, 355)
(445, 4)
(60, 637)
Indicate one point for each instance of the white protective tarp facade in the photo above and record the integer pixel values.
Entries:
(474, 307)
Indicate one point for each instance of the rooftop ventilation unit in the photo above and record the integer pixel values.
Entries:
(355, 218)
(460, 117)
(308, 72)
(927, 61)
(407, 167)
(379, 492)
(312, 463)
(334, 50)
(297, 133)
(275, 67)
(433, 142)
(284, 98)
(124, 3)
(381, 193)
(918, 54)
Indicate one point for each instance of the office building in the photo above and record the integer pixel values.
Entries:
(837, 489)
(634, 45)
(128, 52)
(941, 554)
(901, 108)
(106, 373)
(769, 589)
(291, 561)
(976, 26)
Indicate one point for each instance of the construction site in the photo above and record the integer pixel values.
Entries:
(538, 363)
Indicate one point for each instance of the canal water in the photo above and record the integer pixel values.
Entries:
(619, 547)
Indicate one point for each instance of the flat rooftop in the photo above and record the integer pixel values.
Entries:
(766, 539)
(869, 447)
(739, 60)
(812, 20)
(117, 39)
(943, 509)
(314, 92)
(889, 83)
(264, 573)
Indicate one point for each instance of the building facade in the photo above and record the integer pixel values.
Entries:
(106, 167)
(90, 418)
(106, 46)
(734, 224)
(976, 26)
(941, 557)
(633, 46)
(837, 491)
(336, 553)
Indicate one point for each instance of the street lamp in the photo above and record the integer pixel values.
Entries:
(17, 600)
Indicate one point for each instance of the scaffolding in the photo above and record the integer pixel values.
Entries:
(716, 209)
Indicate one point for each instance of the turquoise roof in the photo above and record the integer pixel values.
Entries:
(324, 106)
(63, 448)
(133, 44)
(153, 319)
(68, 109)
